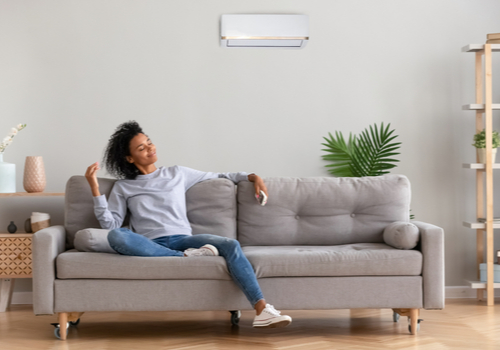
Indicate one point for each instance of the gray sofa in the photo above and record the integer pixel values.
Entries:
(317, 244)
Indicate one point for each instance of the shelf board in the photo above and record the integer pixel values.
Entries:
(37, 194)
(15, 235)
(478, 107)
(479, 225)
(479, 47)
(481, 285)
(479, 166)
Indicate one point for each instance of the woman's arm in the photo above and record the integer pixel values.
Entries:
(112, 214)
(91, 176)
(192, 177)
(258, 184)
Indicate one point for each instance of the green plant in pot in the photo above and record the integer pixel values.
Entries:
(370, 154)
(480, 144)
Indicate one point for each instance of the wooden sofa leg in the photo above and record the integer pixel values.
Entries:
(413, 315)
(414, 321)
(74, 316)
(63, 324)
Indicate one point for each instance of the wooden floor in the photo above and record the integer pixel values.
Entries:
(463, 324)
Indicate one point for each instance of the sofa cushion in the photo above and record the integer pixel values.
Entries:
(322, 210)
(402, 235)
(211, 207)
(79, 206)
(361, 259)
(210, 204)
(93, 240)
(75, 264)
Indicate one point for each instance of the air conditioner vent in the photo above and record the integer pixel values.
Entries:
(264, 31)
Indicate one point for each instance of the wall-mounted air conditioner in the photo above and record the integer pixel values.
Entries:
(278, 31)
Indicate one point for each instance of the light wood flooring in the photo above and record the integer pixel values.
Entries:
(463, 324)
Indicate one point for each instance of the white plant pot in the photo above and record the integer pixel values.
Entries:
(7, 176)
(481, 154)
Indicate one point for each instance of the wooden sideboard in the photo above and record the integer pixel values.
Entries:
(15, 254)
(15, 262)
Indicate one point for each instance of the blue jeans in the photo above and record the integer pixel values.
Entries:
(126, 242)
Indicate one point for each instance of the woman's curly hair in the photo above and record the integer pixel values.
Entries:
(115, 155)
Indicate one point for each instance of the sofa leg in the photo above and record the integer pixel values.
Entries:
(74, 316)
(403, 312)
(63, 324)
(413, 319)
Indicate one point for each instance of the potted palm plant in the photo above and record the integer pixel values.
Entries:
(369, 154)
(480, 144)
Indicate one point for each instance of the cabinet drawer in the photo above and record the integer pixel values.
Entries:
(15, 257)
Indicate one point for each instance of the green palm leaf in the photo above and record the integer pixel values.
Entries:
(340, 154)
(367, 155)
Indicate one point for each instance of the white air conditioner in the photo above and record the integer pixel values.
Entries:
(278, 31)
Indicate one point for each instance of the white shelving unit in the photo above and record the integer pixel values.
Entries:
(483, 108)
(479, 225)
(478, 106)
(479, 166)
(481, 285)
(480, 48)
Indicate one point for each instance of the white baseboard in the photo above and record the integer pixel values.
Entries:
(451, 292)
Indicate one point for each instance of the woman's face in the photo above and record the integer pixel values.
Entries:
(142, 151)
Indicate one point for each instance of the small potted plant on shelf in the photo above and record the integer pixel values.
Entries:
(480, 144)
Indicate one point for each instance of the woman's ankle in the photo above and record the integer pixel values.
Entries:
(259, 306)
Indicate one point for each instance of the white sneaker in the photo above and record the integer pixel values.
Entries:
(271, 318)
(206, 250)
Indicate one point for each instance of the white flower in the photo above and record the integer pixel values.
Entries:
(8, 140)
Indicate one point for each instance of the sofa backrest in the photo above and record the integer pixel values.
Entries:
(211, 207)
(322, 210)
(79, 205)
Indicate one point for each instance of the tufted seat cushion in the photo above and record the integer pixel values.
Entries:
(75, 264)
(361, 259)
(322, 211)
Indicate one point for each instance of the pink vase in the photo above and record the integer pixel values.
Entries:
(34, 175)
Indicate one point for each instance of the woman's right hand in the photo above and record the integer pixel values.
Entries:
(91, 176)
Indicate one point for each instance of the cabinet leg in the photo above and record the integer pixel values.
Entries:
(6, 293)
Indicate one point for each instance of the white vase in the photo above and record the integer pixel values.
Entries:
(7, 176)
(481, 155)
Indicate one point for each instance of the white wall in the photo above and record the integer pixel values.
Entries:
(74, 70)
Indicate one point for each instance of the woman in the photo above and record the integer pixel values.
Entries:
(155, 198)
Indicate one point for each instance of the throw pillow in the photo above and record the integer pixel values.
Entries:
(93, 240)
(401, 235)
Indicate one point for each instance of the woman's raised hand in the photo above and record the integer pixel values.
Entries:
(91, 176)
(258, 184)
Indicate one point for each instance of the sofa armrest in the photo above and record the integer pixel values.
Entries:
(432, 248)
(47, 245)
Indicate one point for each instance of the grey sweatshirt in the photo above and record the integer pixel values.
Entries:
(157, 201)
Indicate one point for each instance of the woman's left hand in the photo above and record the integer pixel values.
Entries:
(258, 184)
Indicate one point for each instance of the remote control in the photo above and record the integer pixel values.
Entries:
(262, 198)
